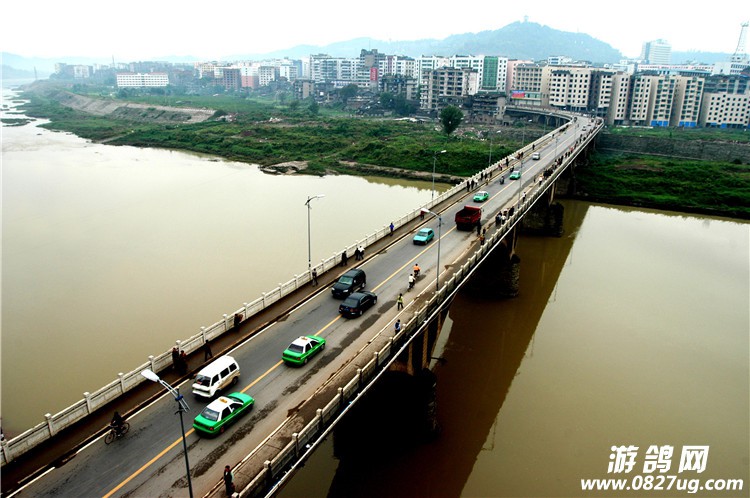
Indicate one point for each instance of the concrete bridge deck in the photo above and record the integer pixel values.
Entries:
(63, 447)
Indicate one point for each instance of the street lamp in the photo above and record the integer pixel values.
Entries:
(182, 407)
(489, 161)
(309, 254)
(434, 159)
(440, 230)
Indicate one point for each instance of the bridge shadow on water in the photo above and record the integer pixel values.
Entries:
(383, 448)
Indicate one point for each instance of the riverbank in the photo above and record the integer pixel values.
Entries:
(285, 140)
(705, 187)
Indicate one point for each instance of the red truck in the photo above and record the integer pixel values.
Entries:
(468, 218)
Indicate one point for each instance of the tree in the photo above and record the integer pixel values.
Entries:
(348, 92)
(387, 100)
(450, 118)
(313, 108)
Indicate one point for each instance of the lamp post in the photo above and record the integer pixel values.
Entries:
(489, 161)
(434, 160)
(440, 230)
(182, 407)
(520, 181)
(309, 252)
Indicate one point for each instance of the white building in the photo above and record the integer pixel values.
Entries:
(656, 52)
(141, 80)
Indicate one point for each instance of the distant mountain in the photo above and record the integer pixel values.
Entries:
(11, 73)
(519, 40)
(698, 57)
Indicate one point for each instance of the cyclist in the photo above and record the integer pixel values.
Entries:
(117, 422)
(416, 270)
(411, 281)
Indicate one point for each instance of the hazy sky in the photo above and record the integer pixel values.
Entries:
(141, 30)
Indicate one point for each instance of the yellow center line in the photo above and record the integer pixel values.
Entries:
(253, 383)
(147, 464)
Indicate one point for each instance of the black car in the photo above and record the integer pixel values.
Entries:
(351, 281)
(357, 303)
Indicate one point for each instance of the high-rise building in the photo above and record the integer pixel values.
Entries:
(656, 52)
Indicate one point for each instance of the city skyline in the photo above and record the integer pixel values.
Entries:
(143, 31)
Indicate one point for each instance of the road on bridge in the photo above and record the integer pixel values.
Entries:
(149, 460)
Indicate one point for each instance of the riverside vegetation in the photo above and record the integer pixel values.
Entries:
(311, 139)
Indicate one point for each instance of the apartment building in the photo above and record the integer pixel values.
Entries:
(617, 113)
(687, 101)
(725, 102)
(267, 74)
(651, 100)
(324, 68)
(493, 74)
(142, 80)
(446, 86)
(397, 84)
(526, 87)
(656, 52)
(398, 65)
(567, 88)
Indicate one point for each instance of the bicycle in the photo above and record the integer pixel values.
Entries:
(114, 433)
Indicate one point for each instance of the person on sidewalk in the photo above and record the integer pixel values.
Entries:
(228, 480)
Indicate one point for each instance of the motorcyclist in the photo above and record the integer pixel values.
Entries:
(416, 270)
(117, 422)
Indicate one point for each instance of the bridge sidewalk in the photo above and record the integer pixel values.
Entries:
(63, 446)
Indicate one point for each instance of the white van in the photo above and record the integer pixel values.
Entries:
(215, 377)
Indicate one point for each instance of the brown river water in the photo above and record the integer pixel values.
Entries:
(630, 330)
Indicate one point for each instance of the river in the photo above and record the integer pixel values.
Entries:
(111, 254)
(631, 329)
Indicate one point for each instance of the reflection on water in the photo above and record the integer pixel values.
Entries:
(631, 329)
(125, 250)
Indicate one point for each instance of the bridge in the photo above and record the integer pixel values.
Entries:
(296, 408)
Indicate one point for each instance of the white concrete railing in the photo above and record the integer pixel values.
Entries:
(322, 422)
(126, 381)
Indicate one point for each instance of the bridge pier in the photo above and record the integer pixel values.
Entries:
(544, 219)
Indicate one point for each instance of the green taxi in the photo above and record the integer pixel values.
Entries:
(302, 349)
(221, 412)
(481, 196)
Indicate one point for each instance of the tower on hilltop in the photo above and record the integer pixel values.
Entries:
(739, 53)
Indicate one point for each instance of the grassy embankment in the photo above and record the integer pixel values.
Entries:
(698, 186)
(268, 133)
(716, 188)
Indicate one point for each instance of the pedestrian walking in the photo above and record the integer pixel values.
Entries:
(175, 358)
(392, 227)
(397, 327)
(237, 319)
(479, 229)
(228, 480)
(343, 258)
(481, 240)
(207, 354)
(400, 302)
(314, 277)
